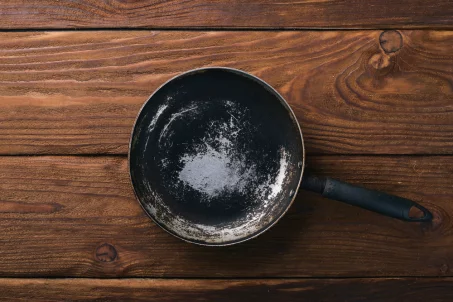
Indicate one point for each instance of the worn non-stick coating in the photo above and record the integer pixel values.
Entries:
(216, 156)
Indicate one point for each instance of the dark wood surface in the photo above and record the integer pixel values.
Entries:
(370, 82)
(354, 92)
(226, 14)
(326, 290)
(77, 217)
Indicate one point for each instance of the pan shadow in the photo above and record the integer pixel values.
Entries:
(253, 256)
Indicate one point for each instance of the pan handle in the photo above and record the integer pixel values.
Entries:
(379, 202)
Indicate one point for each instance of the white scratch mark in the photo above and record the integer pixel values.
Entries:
(156, 117)
(277, 186)
(172, 118)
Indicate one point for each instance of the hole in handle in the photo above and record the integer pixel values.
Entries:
(415, 212)
(419, 213)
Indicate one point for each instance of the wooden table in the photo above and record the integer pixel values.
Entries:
(371, 83)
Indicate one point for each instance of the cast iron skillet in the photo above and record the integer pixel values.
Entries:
(217, 156)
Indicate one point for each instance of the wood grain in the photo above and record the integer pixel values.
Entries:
(352, 290)
(20, 14)
(77, 216)
(362, 92)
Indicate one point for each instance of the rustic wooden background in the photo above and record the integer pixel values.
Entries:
(371, 83)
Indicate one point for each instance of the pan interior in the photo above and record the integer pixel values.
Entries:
(215, 156)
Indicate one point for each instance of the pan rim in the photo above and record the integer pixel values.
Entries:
(282, 101)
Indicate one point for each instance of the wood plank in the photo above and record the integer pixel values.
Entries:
(385, 289)
(353, 91)
(77, 216)
(19, 14)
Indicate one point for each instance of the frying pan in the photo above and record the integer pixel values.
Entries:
(217, 156)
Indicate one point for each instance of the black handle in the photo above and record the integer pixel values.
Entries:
(386, 204)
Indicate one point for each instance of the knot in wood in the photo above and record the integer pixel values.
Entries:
(391, 41)
(106, 253)
(380, 61)
(444, 268)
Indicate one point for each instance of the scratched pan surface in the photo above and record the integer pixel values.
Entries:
(216, 156)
